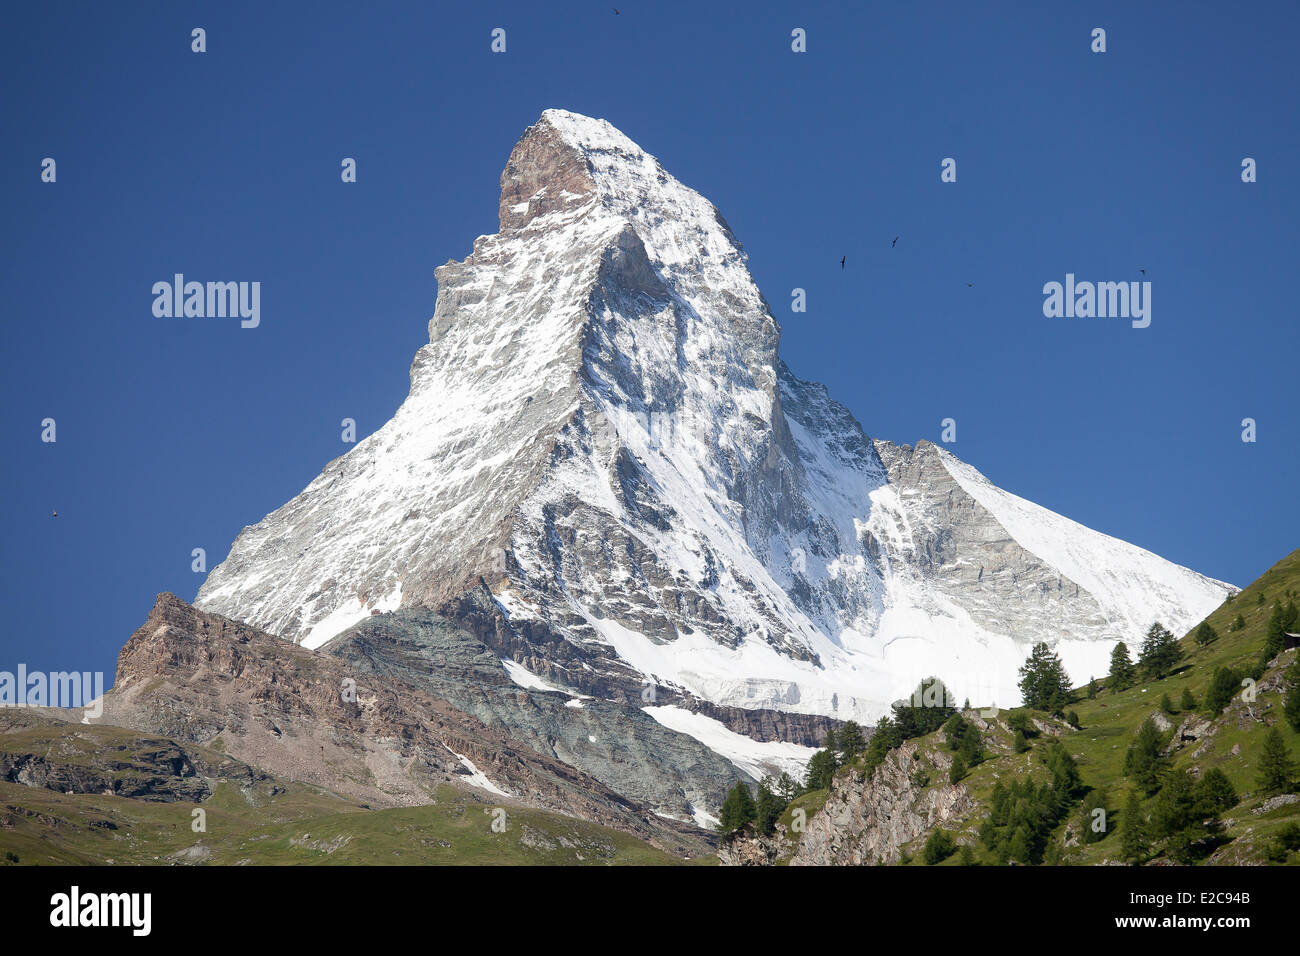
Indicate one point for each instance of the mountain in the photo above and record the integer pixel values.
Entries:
(605, 473)
(212, 684)
(889, 811)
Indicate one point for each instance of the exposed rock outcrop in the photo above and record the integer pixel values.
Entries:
(613, 741)
(869, 821)
(50, 752)
(756, 850)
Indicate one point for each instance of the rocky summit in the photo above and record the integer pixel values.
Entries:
(604, 468)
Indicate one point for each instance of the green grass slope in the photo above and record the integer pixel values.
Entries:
(299, 827)
(249, 817)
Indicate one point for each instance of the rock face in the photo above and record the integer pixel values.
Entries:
(50, 753)
(604, 465)
(536, 645)
(867, 822)
(755, 850)
(312, 717)
(617, 744)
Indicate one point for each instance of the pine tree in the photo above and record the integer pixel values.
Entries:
(957, 770)
(1238, 623)
(1276, 768)
(1167, 705)
(954, 728)
(885, 738)
(1187, 812)
(1019, 721)
(1092, 688)
(1020, 848)
(1174, 808)
(1214, 793)
(1187, 702)
(1282, 620)
(1055, 855)
(1020, 743)
(767, 810)
(787, 788)
(1044, 684)
(1206, 634)
(821, 770)
(1144, 763)
(738, 811)
(1065, 772)
(1223, 686)
(1160, 652)
(965, 738)
(850, 741)
(1121, 668)
(925, 710)
(1291, 709)
(938, 847)
(1289, 836)
(1134, 843)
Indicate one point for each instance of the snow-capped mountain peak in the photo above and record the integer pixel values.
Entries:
(603, 460)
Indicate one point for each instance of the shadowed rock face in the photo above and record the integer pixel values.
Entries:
(202, 677)
(544, 650)
(614, 742)
(44, 749)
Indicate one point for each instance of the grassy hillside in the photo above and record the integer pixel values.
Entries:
(46, 827)
(252, 818)
(1108, 724)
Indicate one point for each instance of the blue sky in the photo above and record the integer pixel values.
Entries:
(173, 434)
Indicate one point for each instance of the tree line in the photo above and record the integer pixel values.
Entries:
(1185, 810)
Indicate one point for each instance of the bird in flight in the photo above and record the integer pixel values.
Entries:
(1143, 271)
(894, 243)
(56, 514)
(970, 285)
(615, 11)
(842, 261)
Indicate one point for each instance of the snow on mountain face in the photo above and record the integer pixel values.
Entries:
(964, 554)
(601, 430)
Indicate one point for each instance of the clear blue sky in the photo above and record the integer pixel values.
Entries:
(175, 434)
